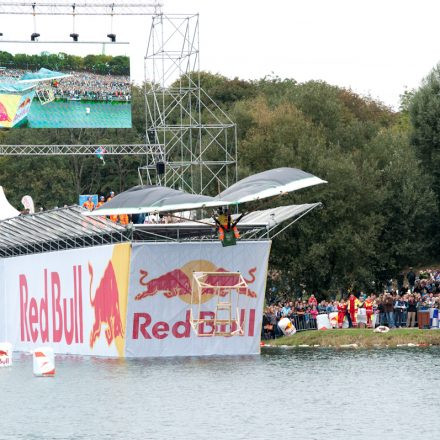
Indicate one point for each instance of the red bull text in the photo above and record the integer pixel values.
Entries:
(145, 327)
(55, 317)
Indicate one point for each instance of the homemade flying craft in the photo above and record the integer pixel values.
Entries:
(152, 199)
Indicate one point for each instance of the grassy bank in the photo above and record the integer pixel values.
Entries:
(365, 338)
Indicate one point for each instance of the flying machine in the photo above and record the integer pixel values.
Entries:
(170, 203)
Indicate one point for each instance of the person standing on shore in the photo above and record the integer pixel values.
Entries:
(342, 310)
(369, 310)
(412, 310)
(411, 277)
(389, 310)
(353, 303)
(399, 308)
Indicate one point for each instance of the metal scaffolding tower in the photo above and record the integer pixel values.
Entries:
(196, 141)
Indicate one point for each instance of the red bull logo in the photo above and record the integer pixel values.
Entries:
(4, 117)
(5, 359)
(110, 299)
(106, 306)
(178, 282)
(54, 317)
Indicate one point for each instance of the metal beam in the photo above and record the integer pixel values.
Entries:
(80, 8)
(50, 150)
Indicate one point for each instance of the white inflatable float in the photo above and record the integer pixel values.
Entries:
(5, 354)
(286, 327)
(323, 322)
(381, 329)
(44, 362)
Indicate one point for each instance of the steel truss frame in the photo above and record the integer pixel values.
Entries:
(78, 8)
(197, 139)
(71, 150)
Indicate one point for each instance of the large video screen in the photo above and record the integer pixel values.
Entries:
(70, 85)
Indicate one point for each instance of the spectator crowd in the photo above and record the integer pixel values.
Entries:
(394, 308)
(83, 85)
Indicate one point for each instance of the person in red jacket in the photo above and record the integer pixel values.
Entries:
(353, 303)
(313, 301)
(342, 310)
(369, 309)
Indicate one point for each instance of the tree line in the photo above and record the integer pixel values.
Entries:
(380, 209)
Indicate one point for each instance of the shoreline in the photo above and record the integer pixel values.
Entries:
(357, 338)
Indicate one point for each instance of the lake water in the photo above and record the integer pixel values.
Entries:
(72, 114)
(292, 394)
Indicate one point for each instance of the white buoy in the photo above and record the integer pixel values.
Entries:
(323, 322)
(381, 329)
(5, 354)
(88, 110)
(333, 317)
(44, 362)
(286, 327)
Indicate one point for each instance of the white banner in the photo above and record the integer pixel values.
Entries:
(159, 301)
(74, 301)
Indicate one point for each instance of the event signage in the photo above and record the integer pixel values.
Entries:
(130, 299)
(159, 304)
(73, 300)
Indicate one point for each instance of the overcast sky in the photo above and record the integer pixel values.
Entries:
(376, 47)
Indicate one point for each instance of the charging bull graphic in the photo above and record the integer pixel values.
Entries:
(178, 282)
(4, 114)
(106, 305)
(110, 299)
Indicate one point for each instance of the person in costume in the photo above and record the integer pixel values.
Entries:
(369, 308)
(224, 224)
(342, 310)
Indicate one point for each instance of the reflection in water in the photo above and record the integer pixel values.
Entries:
(293, 393)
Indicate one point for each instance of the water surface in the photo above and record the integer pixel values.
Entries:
(294, 393)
